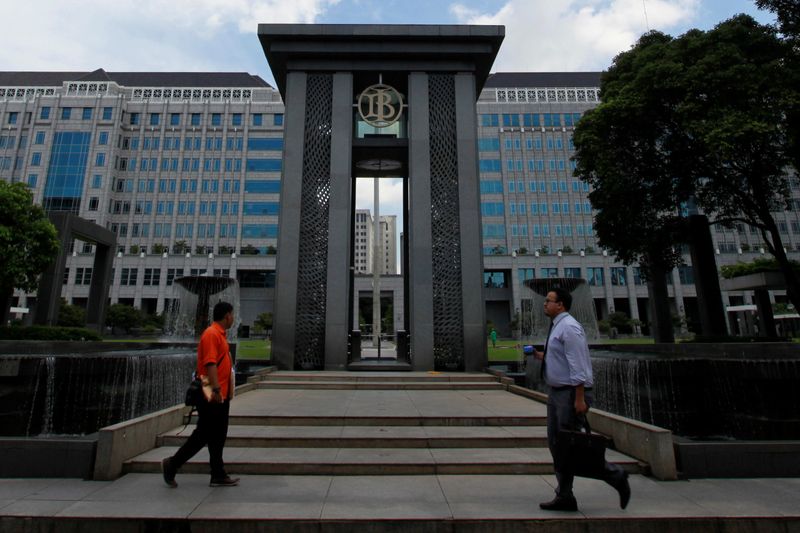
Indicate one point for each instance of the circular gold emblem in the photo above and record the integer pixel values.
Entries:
(380, 105)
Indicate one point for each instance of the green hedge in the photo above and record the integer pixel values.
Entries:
(47, 333)
(759, 265)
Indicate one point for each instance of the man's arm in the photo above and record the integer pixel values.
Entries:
(213, 380)
(580, 401)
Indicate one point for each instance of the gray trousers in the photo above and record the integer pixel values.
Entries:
(561, 415)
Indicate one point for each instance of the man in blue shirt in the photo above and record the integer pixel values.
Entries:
(567, 369)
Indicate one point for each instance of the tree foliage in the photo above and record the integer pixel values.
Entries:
(71, 316)
(699, 118)
(28, 241)
(123, 316)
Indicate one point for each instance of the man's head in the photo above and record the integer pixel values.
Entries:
(223, 313)
(557, 301)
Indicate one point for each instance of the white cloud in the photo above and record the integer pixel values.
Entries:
(138, 34)
(543, 35)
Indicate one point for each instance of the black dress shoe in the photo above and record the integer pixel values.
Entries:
(169, 472)
(560, 503)
(624, 489)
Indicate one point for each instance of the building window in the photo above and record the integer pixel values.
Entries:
(258, 119)
(38, 138)
(107, 113)
(494, 279)
(44, 114)
(94, 202)
(87, 113)
(216, 119)
(100, 159)
(572, 272)
(278, 119)
(83, 276)
(594, 275)
(155, 119)
(102, 138)
(128, 276)
(173, 273)
(66, 113)
(619, 276)
(152, 276)
(175, 119)
(195, 119)
(36, 159)
(32, 179)
(12, 117)
(236, 119)
(134, 119)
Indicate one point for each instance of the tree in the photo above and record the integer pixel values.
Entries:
(71, 316)
(28, 242)
(737, 92)
(263, 321)
(180, 247)
(123, 316)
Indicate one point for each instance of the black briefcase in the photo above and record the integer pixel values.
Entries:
(581, 453)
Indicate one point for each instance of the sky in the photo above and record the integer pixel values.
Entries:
(221, 35)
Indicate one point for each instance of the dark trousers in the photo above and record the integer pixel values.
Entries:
(211, 430)
(561, 415)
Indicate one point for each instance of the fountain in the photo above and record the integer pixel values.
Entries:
(190, 312)
(535, 324)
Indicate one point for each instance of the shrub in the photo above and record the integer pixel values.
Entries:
(758, 265)
(47, 333)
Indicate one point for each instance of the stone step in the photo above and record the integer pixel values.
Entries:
(361, 377)
(460, 421)
(372, 461)
(380, 385)
(372, 437)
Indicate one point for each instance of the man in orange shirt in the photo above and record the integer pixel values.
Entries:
(214, 362)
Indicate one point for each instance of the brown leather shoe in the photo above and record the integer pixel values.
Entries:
(560, 503)
(226, 481)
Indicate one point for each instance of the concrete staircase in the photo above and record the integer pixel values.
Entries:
(367, 427)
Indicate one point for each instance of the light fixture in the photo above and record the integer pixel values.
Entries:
(164, 255)
(141, 254)
(583, 252)
(188, 255)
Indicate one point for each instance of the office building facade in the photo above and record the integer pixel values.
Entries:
(185, 168)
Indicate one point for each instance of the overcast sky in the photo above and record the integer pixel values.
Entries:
(220, 35)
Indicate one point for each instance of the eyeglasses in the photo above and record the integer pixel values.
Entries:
(546, 301)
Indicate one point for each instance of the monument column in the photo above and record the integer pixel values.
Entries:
(283, 338)
(420, 299)
(339, 235)
(470, 221)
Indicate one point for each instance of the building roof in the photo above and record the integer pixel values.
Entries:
(544, 79)
(134, 79)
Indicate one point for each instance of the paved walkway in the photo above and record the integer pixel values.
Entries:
(442, 497)
(290, 444)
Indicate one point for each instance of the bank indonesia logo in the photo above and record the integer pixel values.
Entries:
(380, 105)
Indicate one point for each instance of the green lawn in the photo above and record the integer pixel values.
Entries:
(254, 349)
(511, 350)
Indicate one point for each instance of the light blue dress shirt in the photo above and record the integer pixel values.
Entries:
(568, 360)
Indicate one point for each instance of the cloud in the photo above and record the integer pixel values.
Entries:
(542, 35)
(140, 34)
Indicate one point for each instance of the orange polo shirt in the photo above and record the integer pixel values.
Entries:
(213, 348)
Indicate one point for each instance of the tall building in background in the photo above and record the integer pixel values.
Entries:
(185, 168)
(364, 243)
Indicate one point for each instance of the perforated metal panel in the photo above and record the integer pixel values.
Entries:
(312, 268)
(448, 328)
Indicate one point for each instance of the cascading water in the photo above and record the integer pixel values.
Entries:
(78, 394)
(190, 312)
(535, 324)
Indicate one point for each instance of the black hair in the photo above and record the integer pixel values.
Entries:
(563, 296)
(221, 309)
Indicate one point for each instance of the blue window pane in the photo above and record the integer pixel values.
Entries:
(45, 112)
(195, 119)
(66, 113)
(102, 138)
(260, 208)
(174, 119)
(259, 231)
(510, 120)
(107, 113)
(155, 118)
(216, 119)
(262, 186)
(236, 119)
(263, 165)
(134, 119)
(265, 144)
(39, 138)
(36, 159)
(489, 165)
(87, 113)
(278, 119)
(491, 187)
(258, 119)
(32, 179)
(66, 170)
(100, 160)
(489, 145)
(490, 120)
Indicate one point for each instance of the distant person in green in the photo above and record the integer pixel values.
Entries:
(493, 336)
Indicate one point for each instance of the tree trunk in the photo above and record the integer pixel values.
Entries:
(792, 281)
(5, 304)
(659, 304)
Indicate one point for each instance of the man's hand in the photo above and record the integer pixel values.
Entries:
(580, 406)
(216, 397)
(537, 354)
